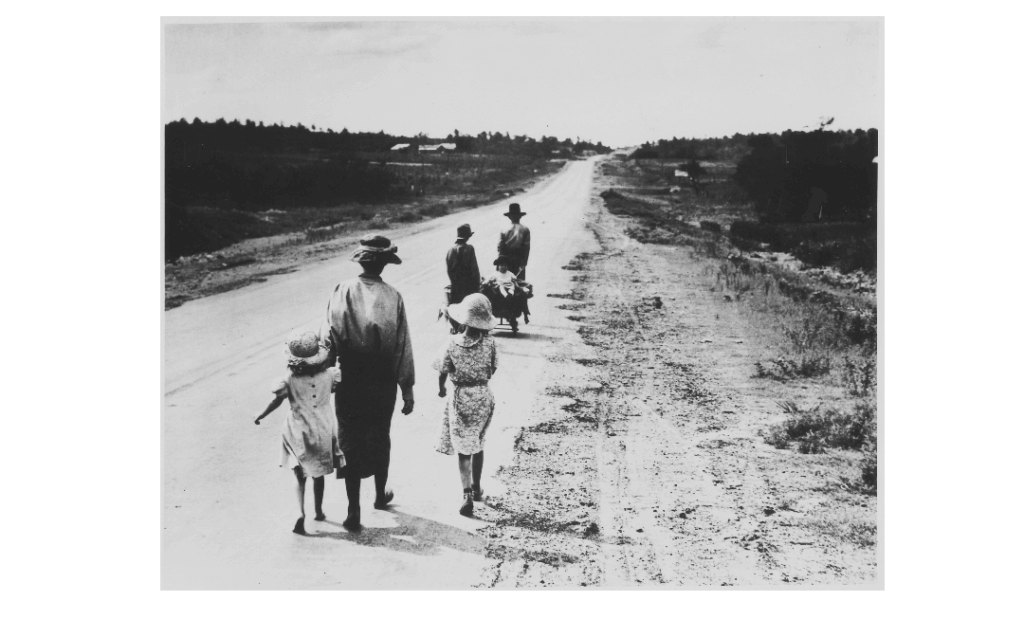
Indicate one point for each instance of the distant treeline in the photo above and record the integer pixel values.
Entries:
(792, 176)
(253, 136)
(252, 166)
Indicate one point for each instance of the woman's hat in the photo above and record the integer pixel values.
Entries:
(375, 248)
(464, 231)
(501, 260)
(514, 211)
(305, 349)
(474, 311)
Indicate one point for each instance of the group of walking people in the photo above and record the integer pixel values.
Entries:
(363, 355)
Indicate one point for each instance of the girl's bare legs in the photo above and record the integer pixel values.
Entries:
(478, 469)
(300, 490)
(467, 488)
(464, 462)
(318, 498)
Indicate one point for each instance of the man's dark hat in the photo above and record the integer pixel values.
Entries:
(464, 231)
(514, 211)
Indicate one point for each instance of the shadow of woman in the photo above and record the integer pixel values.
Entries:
(412, 535)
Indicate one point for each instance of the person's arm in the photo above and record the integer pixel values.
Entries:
(441, 379)
(327, 335)
(274, 404)
(452, 262)
(526, 245)
(405, 368)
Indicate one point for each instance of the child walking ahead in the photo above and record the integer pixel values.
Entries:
(470, 358)
(308, 440)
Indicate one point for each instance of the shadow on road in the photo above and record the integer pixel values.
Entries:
(412, 535)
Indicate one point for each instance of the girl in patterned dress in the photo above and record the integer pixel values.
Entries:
(309, 445)
(470, 358)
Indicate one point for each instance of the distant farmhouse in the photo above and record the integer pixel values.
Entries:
(423, 148)
(437, 148)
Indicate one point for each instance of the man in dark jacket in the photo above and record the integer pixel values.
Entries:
(463, 271)
(514, 245)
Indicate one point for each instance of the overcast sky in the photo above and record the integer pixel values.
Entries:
(621, 82)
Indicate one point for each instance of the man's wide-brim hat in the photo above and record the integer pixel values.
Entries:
(464, 231)
(514, 211)
(374, 248)
(305, 349)
(474, 311)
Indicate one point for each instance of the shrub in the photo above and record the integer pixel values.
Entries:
(711, 225)
(407, 217)
(610, 194)
(434, 210)
(817, 429)
(378, 223)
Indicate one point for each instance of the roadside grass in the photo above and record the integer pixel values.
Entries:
(816, 430)
(847, 246)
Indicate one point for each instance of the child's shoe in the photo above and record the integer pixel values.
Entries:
(467, 505)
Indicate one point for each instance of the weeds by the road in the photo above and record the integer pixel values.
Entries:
(818, 429)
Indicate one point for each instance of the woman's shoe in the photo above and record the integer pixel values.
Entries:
(478, 494)
(467, 506)
(352, 521)
(300, 526)
(320, 517)
(389, 495)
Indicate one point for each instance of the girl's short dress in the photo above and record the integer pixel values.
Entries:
(309, 436)
(469, 363)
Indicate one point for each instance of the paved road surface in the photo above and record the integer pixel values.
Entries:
(228, 508)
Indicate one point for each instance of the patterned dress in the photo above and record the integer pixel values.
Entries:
(469, 363)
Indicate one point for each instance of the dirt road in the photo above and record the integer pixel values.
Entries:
(228, 508)
(625, 451)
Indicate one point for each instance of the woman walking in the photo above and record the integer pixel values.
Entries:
(470, 359)
(308, 442)
(367, 332)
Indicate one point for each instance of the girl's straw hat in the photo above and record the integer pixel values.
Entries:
(474, 311)
(305, 349)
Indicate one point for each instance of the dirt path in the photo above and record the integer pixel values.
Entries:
(646, 466)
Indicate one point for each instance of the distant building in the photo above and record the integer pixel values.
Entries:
(437, 148)
(401, 148)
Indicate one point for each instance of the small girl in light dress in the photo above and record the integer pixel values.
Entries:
(309, 443)
(470, 358)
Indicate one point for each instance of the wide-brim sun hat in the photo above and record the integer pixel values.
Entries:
(305, 348)
(473, 311)
(514, 211)
(374, 248)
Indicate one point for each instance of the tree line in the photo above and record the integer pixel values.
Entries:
(786, 173)
(182, 136)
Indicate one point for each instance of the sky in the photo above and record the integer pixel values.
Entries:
(618, 81)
